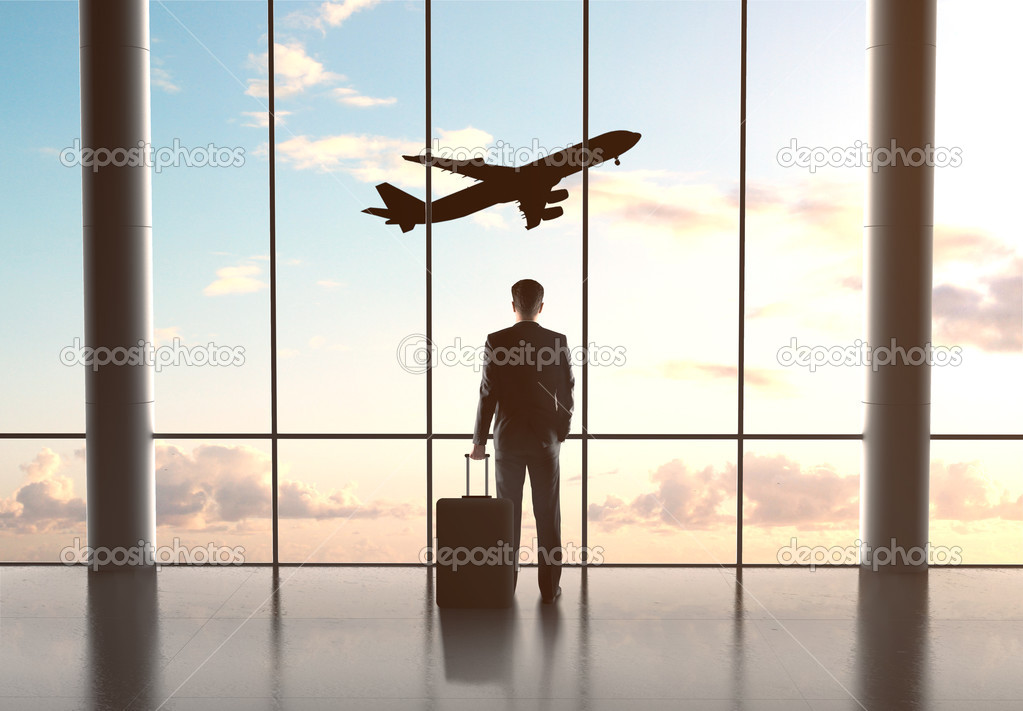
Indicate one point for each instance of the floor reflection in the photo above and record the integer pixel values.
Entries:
(892, 650)
(276, 653)
(548, 628)
(633, 638)
(738, 637)
(582, 651)
(123, 623)
(479, 646)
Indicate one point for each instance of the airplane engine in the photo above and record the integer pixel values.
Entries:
(556, 196)
(551, 212)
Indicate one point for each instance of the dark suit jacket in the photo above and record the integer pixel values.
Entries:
(526, 388)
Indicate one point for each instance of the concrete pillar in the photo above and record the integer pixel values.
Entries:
(117, 240)
(898, 235)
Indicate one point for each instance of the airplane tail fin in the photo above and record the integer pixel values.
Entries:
(402, 209)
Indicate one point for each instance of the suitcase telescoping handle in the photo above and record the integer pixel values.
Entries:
(486, 475)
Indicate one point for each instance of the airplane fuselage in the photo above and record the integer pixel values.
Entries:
(471, 199)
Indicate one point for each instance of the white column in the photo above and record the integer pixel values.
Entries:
(117, 241)
(898, 235)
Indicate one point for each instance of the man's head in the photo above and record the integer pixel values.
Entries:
(527, 299)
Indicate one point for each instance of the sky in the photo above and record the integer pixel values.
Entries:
(662, 286)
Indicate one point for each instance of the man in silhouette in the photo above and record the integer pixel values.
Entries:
(526, 389)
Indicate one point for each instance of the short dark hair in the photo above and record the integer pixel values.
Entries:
(527, 295)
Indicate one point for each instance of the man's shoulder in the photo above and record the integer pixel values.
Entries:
(502, 336)
(531, 333)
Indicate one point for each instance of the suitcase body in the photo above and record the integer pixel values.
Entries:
(475, 561)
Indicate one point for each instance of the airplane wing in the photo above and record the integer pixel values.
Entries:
(476, 169)
(532, 207)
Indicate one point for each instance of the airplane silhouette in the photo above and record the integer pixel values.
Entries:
(532, 185)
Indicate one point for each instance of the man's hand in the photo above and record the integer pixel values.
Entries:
(479, 451)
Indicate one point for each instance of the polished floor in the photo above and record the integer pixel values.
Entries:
(618, 638)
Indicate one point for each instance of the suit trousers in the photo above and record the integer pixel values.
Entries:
(545, 483)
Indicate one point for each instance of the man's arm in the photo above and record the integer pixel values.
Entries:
(487, 404)
(566, 402)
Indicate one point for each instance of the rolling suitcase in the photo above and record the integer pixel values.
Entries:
(475, 559)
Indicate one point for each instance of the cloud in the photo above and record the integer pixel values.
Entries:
(461, 142)
(166, 336)
(962, 491)
(261, 119)
(375, 159)
(660, 198)
(369, 158)
(330, 283)
(300, 500)
(46, 501)
(682, 498)
(220, 486)
(777, 492)
(318, 342)
(162, 78)
(963, 245)
(214, 485)
(329, 14)
(490, 220)
(780, 492)
(335, 13)
(294, 72)
(852, 283)
(808, 215)
(236, 280)
(692, 370)
(990, 317)
(591, 476)
(351, 97)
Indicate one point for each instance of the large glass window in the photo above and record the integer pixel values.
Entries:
(663, 225)
(349, 100)
(40, 219)
(684, 397)
(210, 216)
